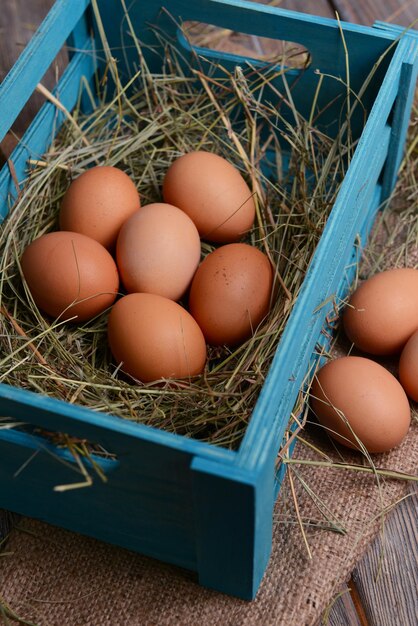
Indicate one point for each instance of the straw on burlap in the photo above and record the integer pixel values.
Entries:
(56, 578)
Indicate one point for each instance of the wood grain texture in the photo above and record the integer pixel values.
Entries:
(402, 12)
(387, 577)
(342, 612)
(18, 22)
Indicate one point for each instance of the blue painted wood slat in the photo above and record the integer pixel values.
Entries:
(32, 64)
(145, 505)
(404, 100)
(174, 498)
(321, 37)
(46, 124)
(234, 525)
(116, 435)
(264, 434)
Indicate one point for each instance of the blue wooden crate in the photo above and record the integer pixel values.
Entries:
(183, 501)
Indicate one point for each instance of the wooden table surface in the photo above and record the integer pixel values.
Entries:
(392, 599)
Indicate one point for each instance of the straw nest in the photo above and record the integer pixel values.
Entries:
(142, 131)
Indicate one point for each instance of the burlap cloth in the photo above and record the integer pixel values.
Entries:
(56, 578)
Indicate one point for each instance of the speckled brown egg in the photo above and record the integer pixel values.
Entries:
(158, 251)
(408, 367)
(368, 397)
(213, 194)
(383, 311)
(154, 337)
(231, 292)
(98, 202)
(70, 275)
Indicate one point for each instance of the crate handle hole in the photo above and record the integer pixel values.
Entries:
(90, 460)
(207, 38)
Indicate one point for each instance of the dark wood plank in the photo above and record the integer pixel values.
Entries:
(18, 22)
(387, 577)
(341, 611)
(17, 26)
(402, 12)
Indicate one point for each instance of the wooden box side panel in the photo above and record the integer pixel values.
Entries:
(190, 511)
(352, 214)
(145, 505)
(321, 36)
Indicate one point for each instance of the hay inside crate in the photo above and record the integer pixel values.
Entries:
(201, 506)
(295, 171)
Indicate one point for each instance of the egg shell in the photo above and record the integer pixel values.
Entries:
(213, 193)
(408, 367)
(370, 398)
(383, 311)
(69, 274)
(98, 202)
(230, 293)
(154, 337)
(158, 251)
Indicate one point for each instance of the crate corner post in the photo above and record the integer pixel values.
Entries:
(234, 522)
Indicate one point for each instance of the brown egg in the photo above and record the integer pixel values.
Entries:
(408, 367)
(213, 193)
(154, 337)
(383, 311)
(158, 251)
(98, 202)
(69, 275)
(368, 397)
(230, 293)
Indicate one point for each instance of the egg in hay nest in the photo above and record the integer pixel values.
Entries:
(158, 251)
(70, 275)
(152, 337)
(213, 194)
(231, 293)
(98, 202)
